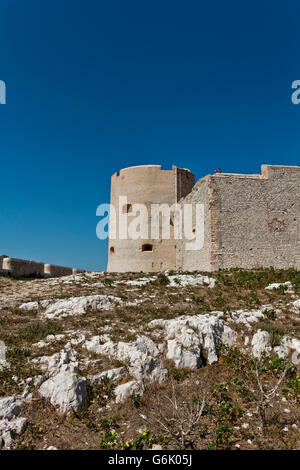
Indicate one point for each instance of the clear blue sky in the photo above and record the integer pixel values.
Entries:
(94, 86)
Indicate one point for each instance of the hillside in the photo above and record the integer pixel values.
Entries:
(175, 360)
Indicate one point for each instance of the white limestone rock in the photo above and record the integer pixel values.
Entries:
(141, 355)
(247, 317)
(10, 407)
(196, 336)
(73, 306)
(10, 425)
(181, 280)
(16, 426)
(261, 343)
(61, 385)
(296, 306)
(127, 390)
(276, 285)
(184, 358)
(138, 282)
(112, 374)
(95, 345)
(289, 347)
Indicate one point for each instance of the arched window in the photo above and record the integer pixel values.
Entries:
(112, 249)
(147, 247)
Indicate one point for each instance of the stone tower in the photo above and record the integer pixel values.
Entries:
(146, 184)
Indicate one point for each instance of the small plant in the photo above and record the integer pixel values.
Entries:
(292, 387)
(281, 289)
(163, 279)
(224, 434)
(110, 441)
(136, 400)
(212, 446)
(198, 300)
(107, 424)
(107, 282)
(275, 332)
(270, 314)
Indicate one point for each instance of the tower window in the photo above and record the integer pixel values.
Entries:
(147, 247)
(127, 208)
(112, 249)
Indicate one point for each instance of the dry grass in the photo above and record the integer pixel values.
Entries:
(227, 404)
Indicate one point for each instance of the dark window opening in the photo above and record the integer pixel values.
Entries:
(147, 247)
(127, 208)
(112, 249)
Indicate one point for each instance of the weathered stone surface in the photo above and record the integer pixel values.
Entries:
(261, 343)
(128, 389)
(247, 317)
(289, 347)
(61, 385)
(141, 355)
(195, 335)
(112, 374)
(10, 425)
(191, 280)
(72, 306)
(184, 358)
(250, 220)
(10, 407)
(95, 345)
(288, 285)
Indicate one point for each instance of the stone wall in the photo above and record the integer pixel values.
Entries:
(147, 185)
(250, 220)
(24, 268)
(189, 260)
(258, 219)
(56, 271)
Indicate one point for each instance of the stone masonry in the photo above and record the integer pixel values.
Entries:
(250, 220)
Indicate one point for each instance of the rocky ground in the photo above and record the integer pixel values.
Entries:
(171, 361)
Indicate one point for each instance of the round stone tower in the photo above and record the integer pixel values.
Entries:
(146, 185)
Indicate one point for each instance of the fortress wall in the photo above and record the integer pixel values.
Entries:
(142, 185)
(78, 271)
(23, 268)
(184, 182)
(193, 260)
(52, 270)
(258, 219)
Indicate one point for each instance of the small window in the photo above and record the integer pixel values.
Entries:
(127, 208)
(112, 249)
(147, 247)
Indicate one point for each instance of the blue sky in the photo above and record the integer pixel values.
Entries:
(94, 86)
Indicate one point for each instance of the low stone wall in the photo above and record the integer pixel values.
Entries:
(51, 270)
(78, 271)
(23, 268)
